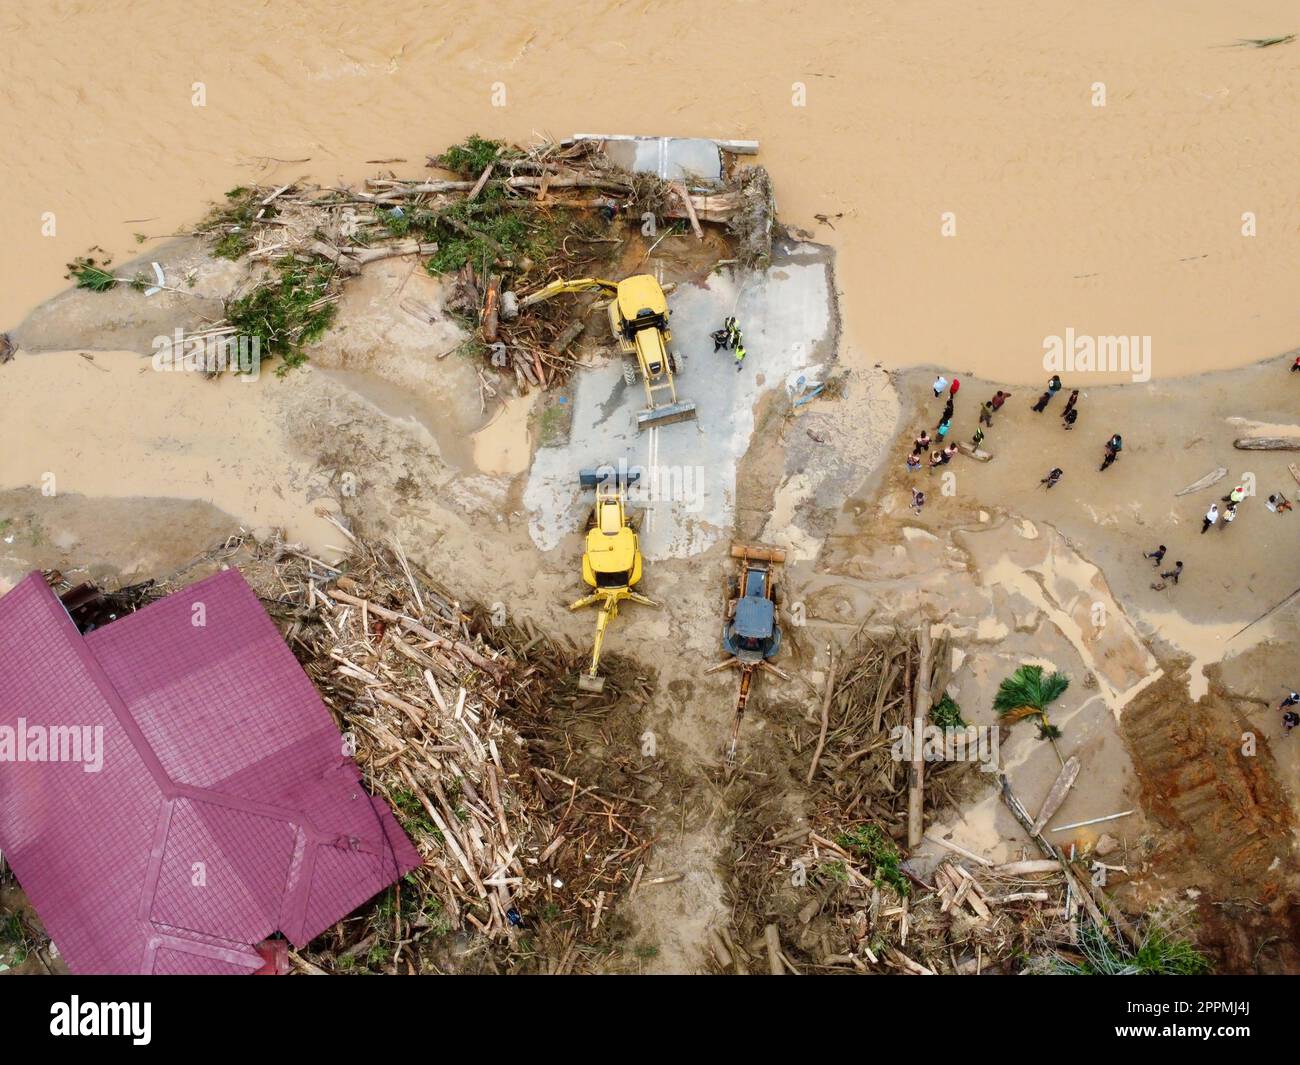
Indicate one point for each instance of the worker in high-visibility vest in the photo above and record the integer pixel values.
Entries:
(740, 357)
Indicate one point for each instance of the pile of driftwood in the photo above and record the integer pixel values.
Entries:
(347, 228)
(453, 713)
(838, 892)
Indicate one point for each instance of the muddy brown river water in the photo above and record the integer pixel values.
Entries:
(1094, 163)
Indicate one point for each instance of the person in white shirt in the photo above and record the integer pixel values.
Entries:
(940, 383)
(1211, 516)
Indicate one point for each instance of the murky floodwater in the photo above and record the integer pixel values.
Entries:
(1119, 219)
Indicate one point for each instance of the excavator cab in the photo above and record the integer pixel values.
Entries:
(638, 320)
(751, 632)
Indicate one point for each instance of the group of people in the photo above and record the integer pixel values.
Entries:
(730, 338)
(1158, 556)
(1068, 418)
(1277, 502)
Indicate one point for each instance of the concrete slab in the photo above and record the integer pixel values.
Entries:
(688, 482)
(671, 158)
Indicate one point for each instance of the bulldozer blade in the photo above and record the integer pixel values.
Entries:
(758, 552)
(589, 683)
(608, 475)
(666, 415)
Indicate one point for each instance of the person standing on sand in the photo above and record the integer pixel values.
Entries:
(1113, 447)
(1041, 405)
(1069, 403)
(1052, 477)
(944, 426)
(1292, 699)
(977, 439)
(940, 383)
(999, 397)
(1071, 416)
(1295, 366)
(918, 500)
(914, 461)
(986, 414)
(922, 442)
(1289, 721)
(1211, 516)
(947, 412)
(1236, 495)
(1054, 384)
(1157, 556)
(1229, 515)
(1175, 573)
(952, 389)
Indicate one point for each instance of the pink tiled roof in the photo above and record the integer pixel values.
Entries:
(226, 808)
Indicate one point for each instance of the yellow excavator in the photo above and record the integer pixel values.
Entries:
(611, 562)
(638, 318)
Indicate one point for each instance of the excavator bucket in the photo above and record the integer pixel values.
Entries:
(758, 552)
(589, 683)
(666, 415)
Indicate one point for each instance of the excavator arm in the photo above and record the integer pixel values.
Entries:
(559, 288)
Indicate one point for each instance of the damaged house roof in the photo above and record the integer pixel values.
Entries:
(223, 808)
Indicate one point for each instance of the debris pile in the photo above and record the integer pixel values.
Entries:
(456, 719)
(512, 219)
(838, 893)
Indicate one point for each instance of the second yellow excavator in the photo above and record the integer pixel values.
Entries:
(611, 561)
(638, 318)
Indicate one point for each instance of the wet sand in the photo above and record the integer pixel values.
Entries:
(1116, 220)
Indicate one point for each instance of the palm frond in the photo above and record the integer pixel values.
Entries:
(1054, 687)
(1027, 687)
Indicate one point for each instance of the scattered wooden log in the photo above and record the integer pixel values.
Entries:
(1107, 904)
(1029, 867)
(576, 181)
(1077, 891)
(708, 206)
(482, 180)
(1267, 443)
(351, 260)
(826, 713)
(1056, 795)
(1017, 896)
(1213, 477)
(685, 197)
(772, 937)
(956, 849)
(920, 714)
(570, 334)
(491, 308)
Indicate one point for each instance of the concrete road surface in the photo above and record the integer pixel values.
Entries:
(688, 469)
